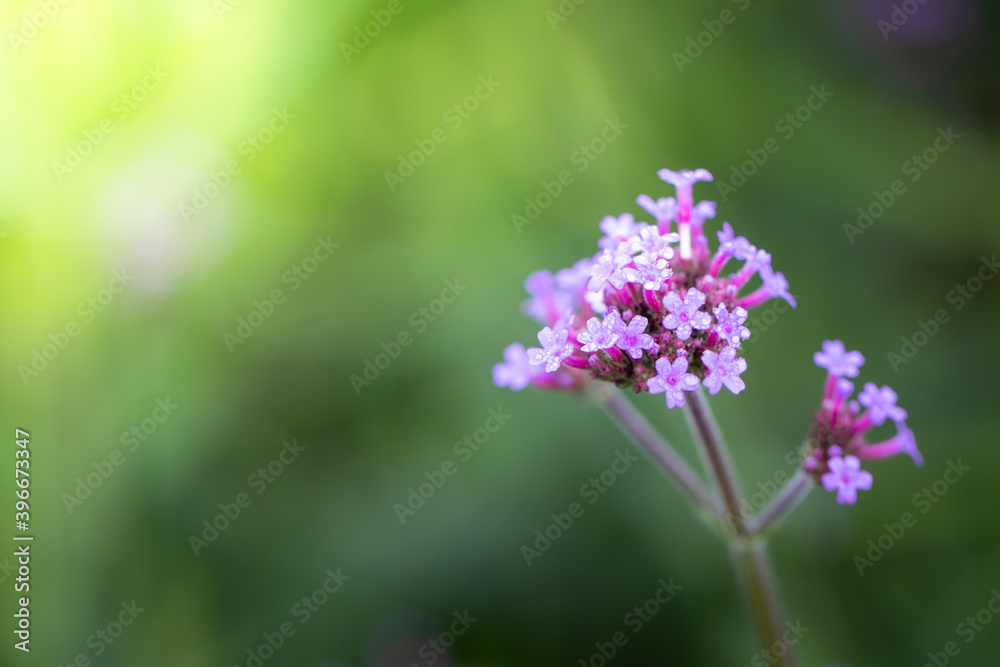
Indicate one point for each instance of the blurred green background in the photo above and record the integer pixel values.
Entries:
(116, 116)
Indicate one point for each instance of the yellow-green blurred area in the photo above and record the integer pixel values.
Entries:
(213, 153)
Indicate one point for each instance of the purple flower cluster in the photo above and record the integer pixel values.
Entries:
(650, 310)
(839, 426)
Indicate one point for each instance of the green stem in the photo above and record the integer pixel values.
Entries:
(751, 562)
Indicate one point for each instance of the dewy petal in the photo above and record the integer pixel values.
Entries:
(837, 361)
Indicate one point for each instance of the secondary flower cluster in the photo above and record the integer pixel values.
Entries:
(839, 426)
(650, 310)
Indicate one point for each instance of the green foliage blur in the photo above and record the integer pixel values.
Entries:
(234, 158)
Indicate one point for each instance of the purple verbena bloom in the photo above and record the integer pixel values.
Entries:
(881, 403)
(685, 315)
(650, 271)
(680, 179)
(729, 326)
(672, 380)
(555, 347)
(702, 211)
(902, 443)
(724, 369)
(607, 268)
(601, 334)
(616, 230)
(837, 361)
(774, 285)
(754, 263)
(663, 209)
(649, 241)
(846, 476)
(576, 277)
(516, 371)
(547, 303)
(633, 338)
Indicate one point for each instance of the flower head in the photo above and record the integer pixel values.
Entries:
(673, 380)
(723, 369)
(837, 361)
(685, 315)
(666, 285)
(846, 477)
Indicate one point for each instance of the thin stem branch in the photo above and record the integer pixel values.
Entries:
(797, 488)
(659, 450)
(759, 588)
(716, 457)
(750, 559)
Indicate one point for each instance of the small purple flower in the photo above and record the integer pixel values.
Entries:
(555, 347)
(881, 403)
(672, 380)
(633, 338)
(724, 369)
(516, 371)
(663, 209)
(730, 325)
(684, 177)
(607, 268)
(902, 443)
(649, 241)
(685, 315)
(601, 334)
(617, 230)
(774, 285)
(737, 247)
(650, 271)
(837, 361)
(846, 476)
(575, 278)
(546, 303)
(702, 211)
